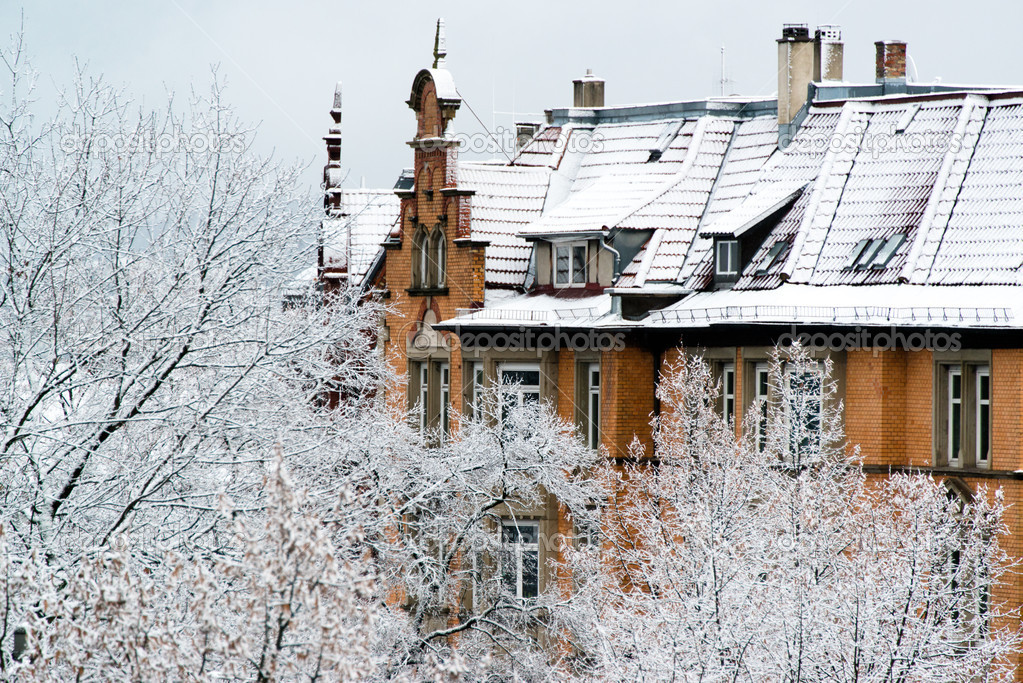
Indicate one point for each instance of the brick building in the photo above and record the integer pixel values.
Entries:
(884, 221)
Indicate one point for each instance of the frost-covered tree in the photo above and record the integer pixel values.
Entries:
(435, 533)
(772, 557)
(148, 362)
(292, 601)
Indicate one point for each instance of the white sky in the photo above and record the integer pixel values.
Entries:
(282, 59)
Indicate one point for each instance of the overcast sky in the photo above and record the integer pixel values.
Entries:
(281, 59)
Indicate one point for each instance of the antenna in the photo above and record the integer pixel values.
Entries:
(724, 79)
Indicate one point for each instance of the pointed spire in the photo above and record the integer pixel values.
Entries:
(440, 47)
(335, 111)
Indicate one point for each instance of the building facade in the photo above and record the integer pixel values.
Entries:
(881, 224)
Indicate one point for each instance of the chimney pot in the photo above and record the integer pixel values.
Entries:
(795, 32)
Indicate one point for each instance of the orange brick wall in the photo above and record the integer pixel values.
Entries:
(464, 261)
(627, 398)
(1007, 409)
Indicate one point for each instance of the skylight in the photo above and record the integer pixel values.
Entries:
(664, 140)
(774, 255)
(875, 254)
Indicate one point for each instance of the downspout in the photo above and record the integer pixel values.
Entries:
(616, 269)
(616, 301)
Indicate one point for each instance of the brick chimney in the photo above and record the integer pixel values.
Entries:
(588, 91)
(890, 64)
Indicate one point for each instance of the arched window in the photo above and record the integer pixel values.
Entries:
(437, 256)
(420, 259)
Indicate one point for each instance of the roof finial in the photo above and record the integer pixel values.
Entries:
(335, 111)
(440, 48)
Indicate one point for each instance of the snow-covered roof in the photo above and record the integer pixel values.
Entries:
(505, 200)
(984, 307)
(936, 179)
(536, 310)
(352, 237)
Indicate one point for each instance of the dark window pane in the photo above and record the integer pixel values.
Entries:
(530, 573)
(984, 431)
(579, 264)
(955, 417)
(561, 269)
(508, 573)
(524, 377)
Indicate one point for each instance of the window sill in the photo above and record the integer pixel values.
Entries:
(427, 291)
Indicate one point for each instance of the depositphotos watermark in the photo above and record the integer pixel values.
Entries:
(540, 340)
(421, 337)
(878, 341)
(508, 141)
(876, 143)
(175, 141)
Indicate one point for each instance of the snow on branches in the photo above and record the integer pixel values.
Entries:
(771, 556)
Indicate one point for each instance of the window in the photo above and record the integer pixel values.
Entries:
(982, 416)
(875, 253)
(520, 383)
(445, 397)
(726, 259)
(963, 430)
(420, 259)
(955, 415)
(803, 410)
(430, 395)
(590, 403)
(520, 559)
(436, 259)
(725, 374)
(424, 396)
(774, 255)
(474, 388)
(570, 264)
(428, 256)
(761, 387)
(520, 386)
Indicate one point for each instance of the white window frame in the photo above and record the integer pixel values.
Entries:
(592, 410)
(981, 430)
(445, 398)
(424, 396)
(954, 433)
(518, 553)
(570, 247)
(521, 390)
(728, 394)
(476, 380)
(726, 254)
(761, 392)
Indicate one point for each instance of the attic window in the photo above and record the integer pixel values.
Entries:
(874, 254)
(774, 255)
(726, 259)
(570, 264)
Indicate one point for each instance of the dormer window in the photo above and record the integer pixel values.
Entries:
(570, 264)
(726, 260)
